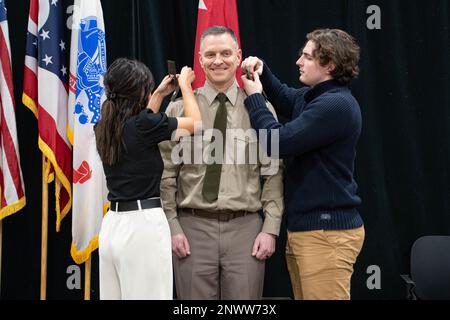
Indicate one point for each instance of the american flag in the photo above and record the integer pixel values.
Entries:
(45, 92)
(12, 191)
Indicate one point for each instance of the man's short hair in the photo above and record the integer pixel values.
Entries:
(338, 47)
(218, 30)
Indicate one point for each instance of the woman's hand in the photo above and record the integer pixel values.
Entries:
(186, 77)
(166, 86)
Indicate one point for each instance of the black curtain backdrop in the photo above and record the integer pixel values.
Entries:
(402, 164)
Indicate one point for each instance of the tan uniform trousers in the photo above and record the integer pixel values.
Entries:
(221, 265)
(320, 262)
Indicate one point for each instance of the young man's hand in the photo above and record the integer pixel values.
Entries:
(252, 86)
(252, 64)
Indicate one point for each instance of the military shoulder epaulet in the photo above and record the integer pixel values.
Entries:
(196, 93)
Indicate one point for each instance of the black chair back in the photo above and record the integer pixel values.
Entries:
(430, 267)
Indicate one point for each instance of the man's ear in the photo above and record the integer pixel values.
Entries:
(330, 67)
(239, 56)
(200, 59)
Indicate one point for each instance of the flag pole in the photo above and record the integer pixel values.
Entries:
(44, 230)
(87, 279)
(1, 245)
(1, 251)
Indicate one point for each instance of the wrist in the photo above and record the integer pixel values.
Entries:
(274, 236)
(251, 93)
(185, 86)
(157, 94)
(155, 101)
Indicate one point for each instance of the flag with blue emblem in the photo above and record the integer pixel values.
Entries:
(12, 191)
(87, 67)
(45, 92)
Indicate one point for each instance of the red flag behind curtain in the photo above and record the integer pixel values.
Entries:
(211, 13)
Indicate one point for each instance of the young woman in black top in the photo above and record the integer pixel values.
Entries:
(134, 240)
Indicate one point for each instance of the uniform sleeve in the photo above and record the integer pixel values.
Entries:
(155, 127)
(272, 190)
(170, 174)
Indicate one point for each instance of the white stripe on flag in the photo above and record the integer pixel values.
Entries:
(53, 97)
(31, 63)
(8, 109)
(32, 27)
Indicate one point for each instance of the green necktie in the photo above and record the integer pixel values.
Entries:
(211, 181)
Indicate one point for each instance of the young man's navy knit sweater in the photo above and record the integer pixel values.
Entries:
(318, 145)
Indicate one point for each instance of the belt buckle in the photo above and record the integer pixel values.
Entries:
(224, 217)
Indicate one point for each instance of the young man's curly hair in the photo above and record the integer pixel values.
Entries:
(339, 48)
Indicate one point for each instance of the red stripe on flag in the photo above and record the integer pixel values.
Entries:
(34, 10)
(2, 185)
(6, 66)
(30, 87)
(72, 83)
(10, 153)
(49, 134)
(63, 202)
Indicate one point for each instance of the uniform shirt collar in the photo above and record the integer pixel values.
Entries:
(211, 93)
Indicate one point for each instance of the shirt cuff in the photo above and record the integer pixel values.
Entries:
(271, 225)
(175, 227)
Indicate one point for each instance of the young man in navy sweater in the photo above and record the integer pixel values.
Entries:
(318, 144)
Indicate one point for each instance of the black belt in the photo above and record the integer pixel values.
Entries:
(223, 215)
(134, 205)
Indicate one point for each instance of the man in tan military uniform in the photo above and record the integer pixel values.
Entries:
(219, 241)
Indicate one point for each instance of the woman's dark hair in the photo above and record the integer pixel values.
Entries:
(128, 84)
(338, 47)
